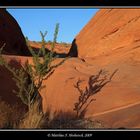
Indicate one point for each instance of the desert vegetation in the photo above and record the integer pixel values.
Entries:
(29, 78)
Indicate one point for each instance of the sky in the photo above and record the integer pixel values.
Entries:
(71, 21)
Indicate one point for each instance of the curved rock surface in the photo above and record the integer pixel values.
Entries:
(108, 31)
(61, 49)
(11, 34)
(111, 40)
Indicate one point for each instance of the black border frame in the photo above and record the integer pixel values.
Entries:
(107, 133)
(74, 3)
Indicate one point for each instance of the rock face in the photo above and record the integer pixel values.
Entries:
(110, 41)
(108, 31)
(60, 50)
(73, 52)
(11, 34)
(7, 84)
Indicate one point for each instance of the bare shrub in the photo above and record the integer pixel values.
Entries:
(10, 116)
(68, 120)
(30, 77)
(33, 119)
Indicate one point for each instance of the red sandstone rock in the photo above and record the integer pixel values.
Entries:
(108, 31)
(59, 48)
(11, 34)
(109, 41)
(7, 84)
